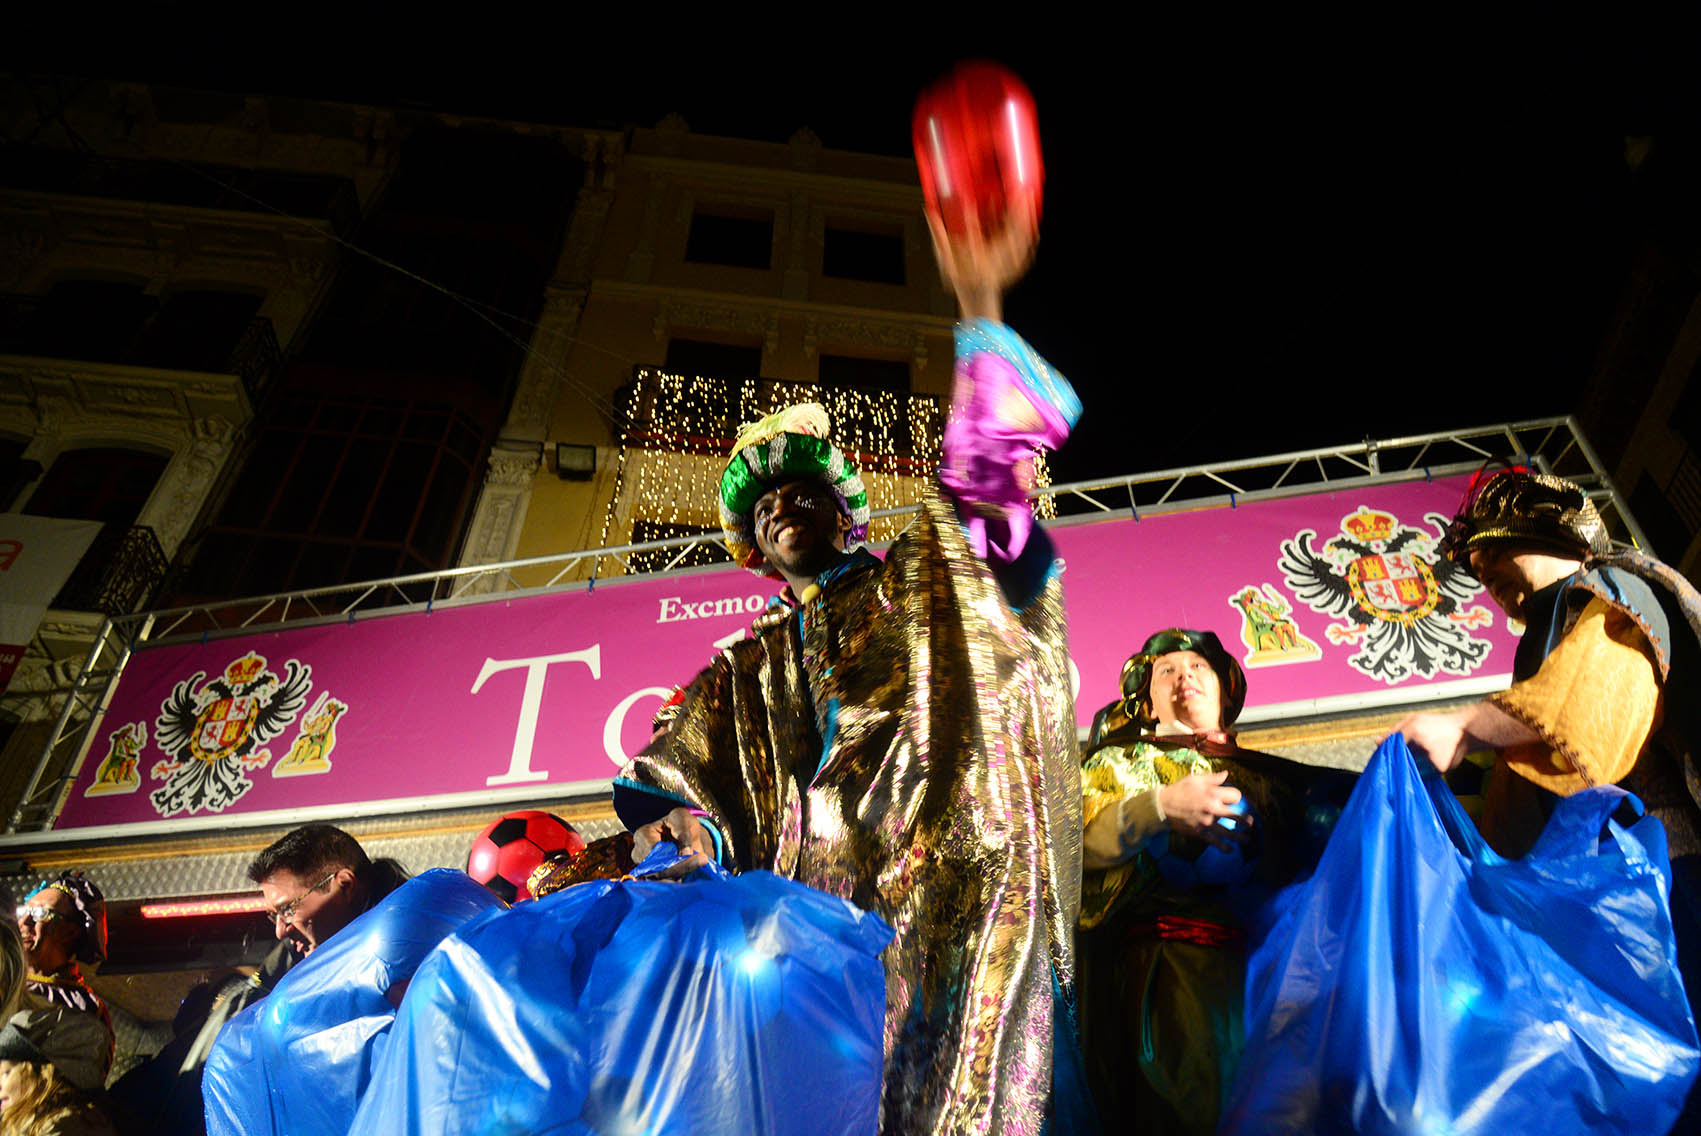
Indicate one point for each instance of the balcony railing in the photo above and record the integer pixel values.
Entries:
(118, 573)
(257, 359)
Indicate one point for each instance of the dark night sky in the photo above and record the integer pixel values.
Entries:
(1257, 238)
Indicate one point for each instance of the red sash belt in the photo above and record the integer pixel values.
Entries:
(1201, 932)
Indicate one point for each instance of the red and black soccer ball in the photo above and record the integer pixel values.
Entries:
(504, 854)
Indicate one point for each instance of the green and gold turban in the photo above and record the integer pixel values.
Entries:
(791, 445)
(1137, 671)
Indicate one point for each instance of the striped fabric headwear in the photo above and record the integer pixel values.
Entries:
(791, 445)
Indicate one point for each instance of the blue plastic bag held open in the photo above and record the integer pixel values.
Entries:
(296, 1062)
(721, 1004)
(1420, 983)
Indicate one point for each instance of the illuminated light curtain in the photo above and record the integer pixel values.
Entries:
(677, 429)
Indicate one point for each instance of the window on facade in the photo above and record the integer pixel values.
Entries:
(643, 532)
(713, 360)
(107, 322)
(197, 330)
(735, 240)
(857, 254)
(851, 371)
(340, 489)
(106, 485)
(97, 320)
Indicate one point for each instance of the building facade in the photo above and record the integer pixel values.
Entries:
(803, 268)
(1642, 404)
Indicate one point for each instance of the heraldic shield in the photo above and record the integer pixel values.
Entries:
(1406, 608)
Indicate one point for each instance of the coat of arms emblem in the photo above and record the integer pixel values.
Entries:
(1401, 606)
(215, 734)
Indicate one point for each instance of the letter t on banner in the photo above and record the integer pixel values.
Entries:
(525, 731)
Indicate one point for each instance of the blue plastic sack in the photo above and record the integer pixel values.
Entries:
(723, 1004)
(1418, 982)
(296, 1062)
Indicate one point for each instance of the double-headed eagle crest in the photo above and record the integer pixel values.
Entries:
(212, 733)
(1403, 608)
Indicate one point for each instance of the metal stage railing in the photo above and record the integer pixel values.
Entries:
(1555, 445)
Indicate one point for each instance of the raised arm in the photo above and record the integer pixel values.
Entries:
(1005, 401)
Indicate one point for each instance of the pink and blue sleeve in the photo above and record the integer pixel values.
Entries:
(1006, 401)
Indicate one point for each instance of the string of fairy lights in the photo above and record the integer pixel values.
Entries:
(676, 430)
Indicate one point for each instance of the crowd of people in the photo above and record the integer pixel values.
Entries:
(900, 733)
(57, 1046)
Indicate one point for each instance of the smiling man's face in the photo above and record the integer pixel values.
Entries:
(306, 912)
(1512, 573)
(1186, 691)
(799, 529)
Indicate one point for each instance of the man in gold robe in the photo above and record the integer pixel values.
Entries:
(901, 733)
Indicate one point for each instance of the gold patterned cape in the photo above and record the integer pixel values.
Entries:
(906, 740)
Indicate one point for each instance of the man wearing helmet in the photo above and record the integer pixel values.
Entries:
(1603, 688)
(900, 732)
(1606, 636)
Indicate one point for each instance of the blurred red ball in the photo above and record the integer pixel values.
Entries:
(504, 854)
(976, 137)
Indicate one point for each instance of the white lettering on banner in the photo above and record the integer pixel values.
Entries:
(525, 731)
(674, 609)
(616, 724)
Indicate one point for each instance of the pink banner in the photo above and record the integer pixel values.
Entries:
(1323, 596)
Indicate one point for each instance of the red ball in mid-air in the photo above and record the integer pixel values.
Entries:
(977, 147)
(504, 854)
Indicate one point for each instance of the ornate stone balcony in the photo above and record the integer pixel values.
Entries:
(118, 573)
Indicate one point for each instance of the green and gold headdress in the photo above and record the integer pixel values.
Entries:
(791, 445)
(1137, 672)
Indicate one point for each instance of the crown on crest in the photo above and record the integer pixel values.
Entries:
(1369, 525)
(246, 669)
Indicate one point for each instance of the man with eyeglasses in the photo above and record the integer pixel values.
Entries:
(305, 1066)
(316, 880)
(63, 922)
